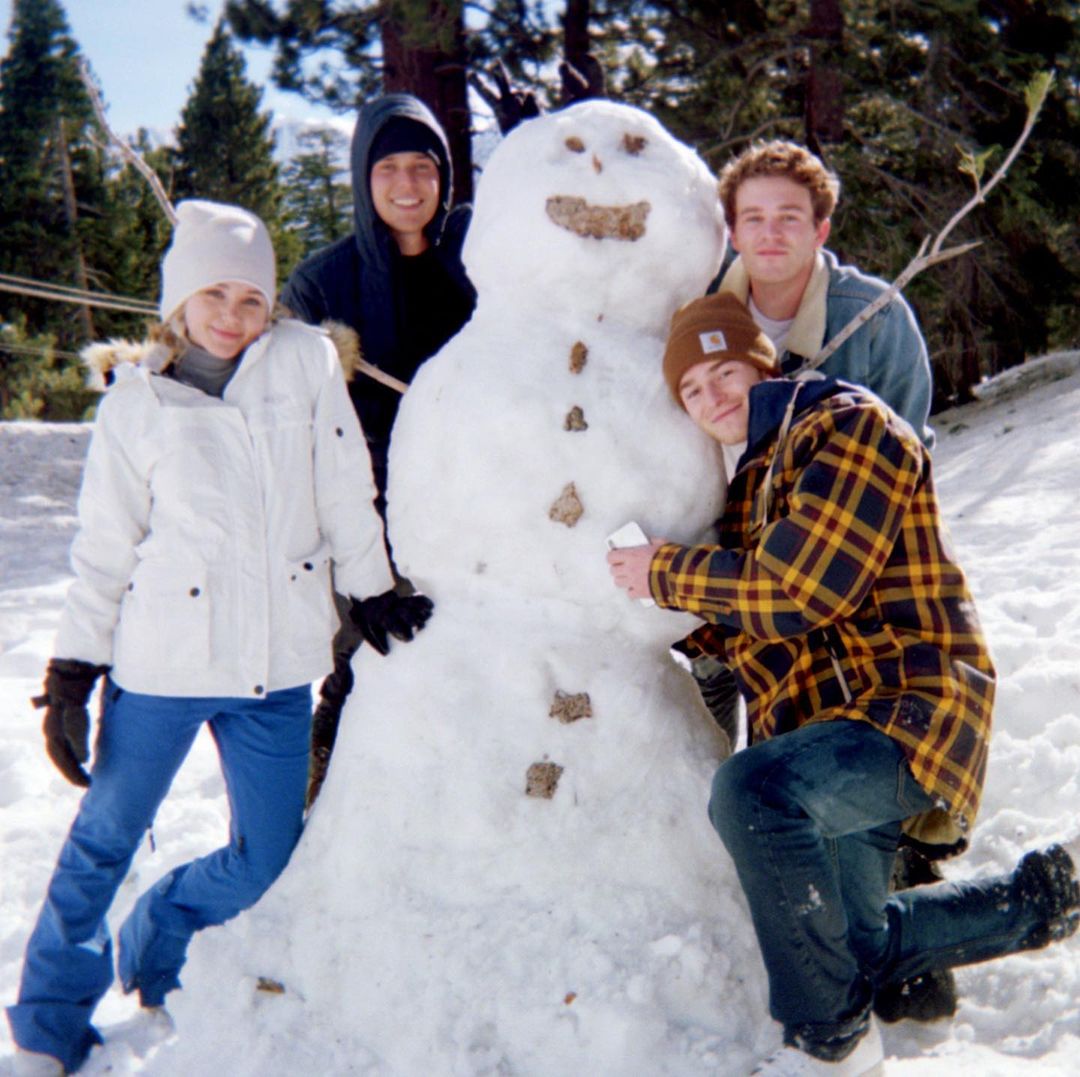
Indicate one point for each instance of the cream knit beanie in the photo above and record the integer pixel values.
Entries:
(213, 243)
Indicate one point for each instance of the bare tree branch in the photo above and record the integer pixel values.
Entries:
(930, 253)
(372, 371)
(129, 154)
(362, 365)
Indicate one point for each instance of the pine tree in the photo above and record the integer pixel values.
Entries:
(137, 231)
(37, 381)
(422, 47)
(48, 166)
(225, 148)
(318, 205)
(910, 84)
(934, 80)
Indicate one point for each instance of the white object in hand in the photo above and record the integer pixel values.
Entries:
(630, 534)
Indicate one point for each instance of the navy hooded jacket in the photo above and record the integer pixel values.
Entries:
(361, 280)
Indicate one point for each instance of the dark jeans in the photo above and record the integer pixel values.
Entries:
(812, 820)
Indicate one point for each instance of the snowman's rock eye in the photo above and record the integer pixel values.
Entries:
(633, 144)
(575, 145)
(598, 222)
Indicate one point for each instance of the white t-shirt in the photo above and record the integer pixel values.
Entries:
(731, 454)
(776, 331)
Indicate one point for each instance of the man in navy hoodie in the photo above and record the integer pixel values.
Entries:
(399, 282)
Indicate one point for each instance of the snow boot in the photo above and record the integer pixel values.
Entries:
(867, 1059)
(931, 995)
(1047, 879)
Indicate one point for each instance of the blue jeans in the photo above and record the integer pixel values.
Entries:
(142, 741)
(812, 820)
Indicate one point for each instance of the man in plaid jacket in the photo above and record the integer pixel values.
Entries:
(835, 599)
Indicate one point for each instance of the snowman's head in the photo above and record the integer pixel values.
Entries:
(595, 210)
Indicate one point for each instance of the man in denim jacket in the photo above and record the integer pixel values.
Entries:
(778, 200)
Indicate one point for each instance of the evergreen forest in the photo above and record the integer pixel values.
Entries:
(895, 96)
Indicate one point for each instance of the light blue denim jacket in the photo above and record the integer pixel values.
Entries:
(886, 355)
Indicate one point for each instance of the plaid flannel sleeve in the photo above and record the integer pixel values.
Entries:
(849, 478)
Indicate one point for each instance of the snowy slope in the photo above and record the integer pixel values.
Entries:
(1007, 467)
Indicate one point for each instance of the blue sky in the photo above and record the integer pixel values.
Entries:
(146, 55)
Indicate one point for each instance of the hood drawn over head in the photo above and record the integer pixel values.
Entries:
(372, 236)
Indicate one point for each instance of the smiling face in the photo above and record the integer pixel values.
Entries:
(716, 396)
(225, 318)
(405, 193)
(775, 231)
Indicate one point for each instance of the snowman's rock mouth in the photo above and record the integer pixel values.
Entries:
(598, 222)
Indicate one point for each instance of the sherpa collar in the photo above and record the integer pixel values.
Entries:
(807, 333)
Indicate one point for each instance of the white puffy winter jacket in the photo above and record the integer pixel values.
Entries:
(208, 526)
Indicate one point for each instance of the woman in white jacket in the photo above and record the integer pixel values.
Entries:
(226, 473)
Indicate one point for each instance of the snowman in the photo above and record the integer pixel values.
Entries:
(510, 869)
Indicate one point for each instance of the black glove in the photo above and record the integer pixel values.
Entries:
(390, 614)
(509, 105)
(68, 684)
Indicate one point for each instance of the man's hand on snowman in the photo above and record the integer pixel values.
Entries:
(390, 614)
(629, 567)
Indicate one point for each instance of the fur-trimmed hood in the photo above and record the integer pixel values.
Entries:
(159, 350)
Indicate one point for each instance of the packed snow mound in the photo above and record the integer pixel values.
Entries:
(545, 425)
(1020, 379)
(563, 757)
(1006, 472)
(645, 204)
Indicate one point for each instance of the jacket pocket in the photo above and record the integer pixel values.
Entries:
(310, 605)
(165, 617)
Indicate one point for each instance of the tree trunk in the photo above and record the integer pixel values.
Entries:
(71, 215)
(576, 33)
(824, 88)
(970, 367)
(436, 74)
(576, 41)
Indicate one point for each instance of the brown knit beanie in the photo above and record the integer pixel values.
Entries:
(715, 327)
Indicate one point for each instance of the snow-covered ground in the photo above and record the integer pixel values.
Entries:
(1008, 469)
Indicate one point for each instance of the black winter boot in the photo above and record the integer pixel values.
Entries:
(1047, 879)
(931, 995)
(928, 997)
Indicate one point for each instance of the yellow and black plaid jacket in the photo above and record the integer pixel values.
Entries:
(846, 601)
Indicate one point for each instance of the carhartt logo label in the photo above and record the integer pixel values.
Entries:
(713, 341)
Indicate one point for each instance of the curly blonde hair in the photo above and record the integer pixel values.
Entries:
(788, 160)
